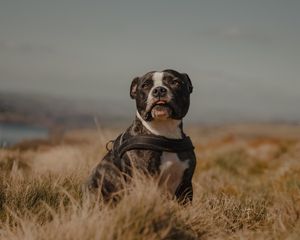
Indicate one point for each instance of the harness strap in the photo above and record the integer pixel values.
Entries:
(155, 143)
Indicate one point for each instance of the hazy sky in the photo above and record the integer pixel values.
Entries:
(243, 56)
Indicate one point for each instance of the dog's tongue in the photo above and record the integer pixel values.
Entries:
(161, 102)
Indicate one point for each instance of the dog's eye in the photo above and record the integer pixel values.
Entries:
(175, 82)
(146, 84)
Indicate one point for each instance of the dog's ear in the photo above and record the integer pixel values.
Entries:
(190, 86)
(133, 87)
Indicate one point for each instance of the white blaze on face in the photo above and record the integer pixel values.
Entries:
(157, 82)
(157, 78)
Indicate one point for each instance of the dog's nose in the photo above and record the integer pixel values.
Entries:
(159, 92)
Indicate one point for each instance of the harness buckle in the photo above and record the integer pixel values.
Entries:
(109, 145)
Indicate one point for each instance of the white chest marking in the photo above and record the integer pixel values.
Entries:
(167, 128)
(171, 171)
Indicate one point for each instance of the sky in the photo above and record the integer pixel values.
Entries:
(242, 56)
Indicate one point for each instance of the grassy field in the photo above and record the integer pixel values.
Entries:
(247, 186)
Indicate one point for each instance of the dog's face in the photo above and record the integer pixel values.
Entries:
(162, 95)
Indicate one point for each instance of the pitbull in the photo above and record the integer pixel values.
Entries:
(162, 100)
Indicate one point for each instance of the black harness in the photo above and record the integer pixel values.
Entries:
(151, 142)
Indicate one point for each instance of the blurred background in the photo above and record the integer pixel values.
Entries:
(69, 64)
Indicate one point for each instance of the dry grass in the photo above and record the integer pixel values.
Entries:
(247, 186)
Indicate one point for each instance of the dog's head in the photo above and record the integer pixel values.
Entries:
(162, 95)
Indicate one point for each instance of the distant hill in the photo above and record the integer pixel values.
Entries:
(51, 111)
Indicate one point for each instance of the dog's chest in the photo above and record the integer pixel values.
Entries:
(171, 171)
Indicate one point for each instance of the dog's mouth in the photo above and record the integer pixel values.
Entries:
(161, 110)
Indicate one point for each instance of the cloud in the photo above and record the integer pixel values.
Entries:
(25, 47)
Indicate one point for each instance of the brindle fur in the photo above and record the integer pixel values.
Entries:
(112, 173)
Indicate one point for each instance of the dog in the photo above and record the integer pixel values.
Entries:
(162, 100)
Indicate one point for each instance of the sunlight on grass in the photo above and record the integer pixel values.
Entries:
(242, 191)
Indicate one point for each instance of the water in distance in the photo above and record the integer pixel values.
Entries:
(11, 133)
